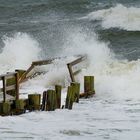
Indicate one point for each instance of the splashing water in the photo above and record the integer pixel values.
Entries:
(113, 77)
(18, 52)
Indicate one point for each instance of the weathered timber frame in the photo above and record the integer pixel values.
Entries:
(24, 77)
(6, 87)
(71, 64)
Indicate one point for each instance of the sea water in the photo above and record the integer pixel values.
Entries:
(108, 33)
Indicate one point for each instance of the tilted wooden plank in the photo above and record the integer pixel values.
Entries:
(71, 64)
(82, 58)
(35, 63)
(8, 75)
(71, 72)
(76, 72)
(12, 87)
(23, 77)
(42, 62)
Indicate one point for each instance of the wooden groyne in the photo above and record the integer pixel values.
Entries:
(49, 100)
(10, 83)
(24, 75)
(72, 64)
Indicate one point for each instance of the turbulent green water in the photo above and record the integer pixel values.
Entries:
(50, 21)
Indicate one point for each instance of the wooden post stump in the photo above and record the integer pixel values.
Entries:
(18, 107)
(19, 104)
(34, 101)
(70, 98)
(51, 103)
(5, 108)
(26, 104)
(44, 98)
(76, 90)
(58, 95)
(89, 85)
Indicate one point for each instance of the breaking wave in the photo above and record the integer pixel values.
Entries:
(18, 52)
(126, 18)
(113, 77)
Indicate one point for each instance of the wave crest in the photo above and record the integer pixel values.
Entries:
(127, 18)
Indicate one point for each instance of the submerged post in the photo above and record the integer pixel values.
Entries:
(5, 108)
(70, 98)
(58, 89)
(34, 101)
(89, 85)
(51, 100)
(44, 98)
(18, 107)
(76, 90)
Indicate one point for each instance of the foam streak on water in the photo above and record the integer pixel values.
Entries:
(94, 118)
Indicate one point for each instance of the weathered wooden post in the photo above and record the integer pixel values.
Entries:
(76, 90)
(44, 98)
(19, 106)
(12, 84)
(71, 72)
(26, 103)
(4, 88)
(17, 85)
(70, 98)
(5, 108)
(58, 95)
(51, 100)
(34, 101)
(89, 85)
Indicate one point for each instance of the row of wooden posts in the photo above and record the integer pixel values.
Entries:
(51, 99)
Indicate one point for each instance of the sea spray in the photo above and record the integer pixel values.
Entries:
(76, 42)
(18, 52)
(113, 77)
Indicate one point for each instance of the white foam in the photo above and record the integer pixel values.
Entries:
(100, 117)
(77, 43)
(114, 78)
(117, 78)
(127, 18)
(18, 52)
